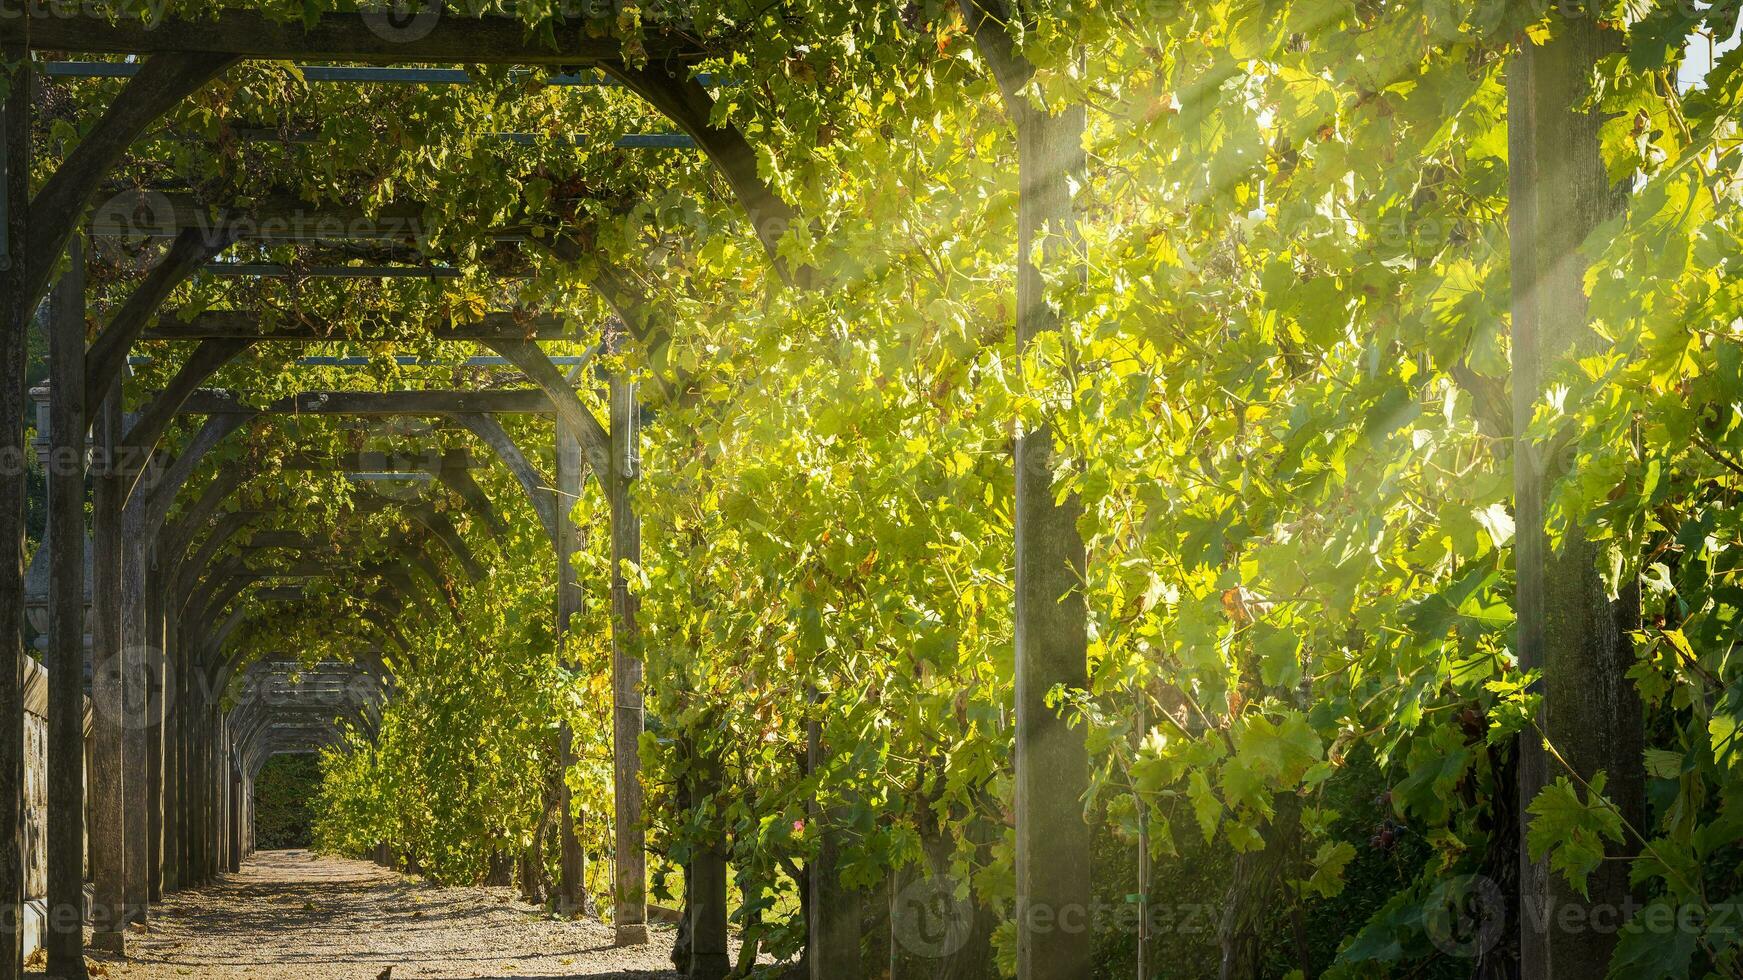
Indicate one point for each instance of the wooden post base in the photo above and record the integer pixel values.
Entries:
(711, 966)
(632, 934)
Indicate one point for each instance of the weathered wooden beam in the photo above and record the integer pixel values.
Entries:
(1053, 841)
(374, 461)
(651, 331)
(108, 354)
(247, 325)
(403, 544)
(181, 572)
(267, 540)
(224, 582)
(217, 753)
(443, 528)
(537, 366)
(505, 402)
(135, 653)
(688, 103)
(571, 860)
(178, 536)
(459, 481)
(276, 727)
(156, 215)
(17, 306)
(108, 775)
(158, 673)
(833, 927)
(158, 86)
(64, 939)
(186, 751)
(165, 485)
(225, 531)
(218, 586)
(539, 490)
(626, 667)
(420, 559)
(220, 668)
(434, 36)
(305, 570)
(233, 783)
(173, 791)
(705, 895)
(144, 215)
(155, 419)
(1568, 626)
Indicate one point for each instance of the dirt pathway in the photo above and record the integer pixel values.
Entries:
(289, 915)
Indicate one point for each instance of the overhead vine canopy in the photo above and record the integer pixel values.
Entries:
(1285, 396)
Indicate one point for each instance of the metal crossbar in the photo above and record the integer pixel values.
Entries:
(406, 360)
(405, 76)
(324, 73)
(347, 74)
(628, 141)
(276, 270)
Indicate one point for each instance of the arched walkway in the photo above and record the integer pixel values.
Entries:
(293, 915)
(202, 549)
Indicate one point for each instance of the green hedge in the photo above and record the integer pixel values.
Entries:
(283, 794)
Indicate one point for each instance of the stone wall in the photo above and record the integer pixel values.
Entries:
(36, 800)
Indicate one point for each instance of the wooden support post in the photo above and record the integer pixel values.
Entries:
(247, 785)
(1144, 869)
(626, 667)
(208, 805)
(198, 733)
(220, 796)
(710, 959)
(211, 758)
(1567, 626)
(234, 783)
(705, 892)
(156, 673)
(227, 812)
(832, 948)
(572, 870)
(1053, 841)
(531, 872)
(187, 712)
(1052, 617)
(108, 773)
(65, 936)
(135, 697)
(244, 846)
(19, 306)
(904, 965)
(172, 742)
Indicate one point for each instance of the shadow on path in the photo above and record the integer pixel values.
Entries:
(292, 915)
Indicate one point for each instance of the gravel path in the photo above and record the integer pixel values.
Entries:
(291, 915)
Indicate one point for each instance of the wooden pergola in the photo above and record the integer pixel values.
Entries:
(156, 585)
